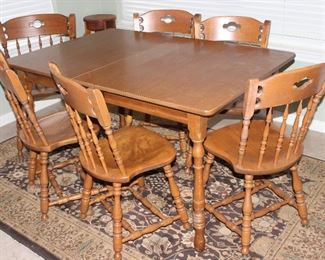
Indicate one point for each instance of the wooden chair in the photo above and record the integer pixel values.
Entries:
(40, 136)
(177, 23)
(28, 33)
(32, 32)
(238, 29)
(117, 158)
(257, 148)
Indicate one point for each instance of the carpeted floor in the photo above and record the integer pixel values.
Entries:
(276, 236)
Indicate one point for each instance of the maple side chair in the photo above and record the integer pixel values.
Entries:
(117, 158)
(40, 136)
(238, 29)
(174, 22)
(31, 32)
(257, 148)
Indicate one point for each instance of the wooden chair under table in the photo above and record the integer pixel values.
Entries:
(32, 32)
(237, 29)
(119, 158)
(257, 148)
(177, 23)
(41, 136)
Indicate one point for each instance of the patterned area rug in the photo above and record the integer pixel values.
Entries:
(278, 235)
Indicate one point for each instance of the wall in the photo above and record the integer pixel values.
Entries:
(83, 8)
(86, 7)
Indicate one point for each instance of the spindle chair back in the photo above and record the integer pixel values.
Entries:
(119, 157)
(259, 147)
(241, 29)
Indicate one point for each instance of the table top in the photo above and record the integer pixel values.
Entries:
(195, 76)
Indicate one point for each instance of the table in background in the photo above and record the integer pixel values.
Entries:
(99, 22)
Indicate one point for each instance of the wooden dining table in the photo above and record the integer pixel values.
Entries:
(184, 80)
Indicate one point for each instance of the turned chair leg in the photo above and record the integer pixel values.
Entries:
(117, 221)
(31, 169)
(20, 147)
(188, 159)
(176, 196)
(182, 143)
(85, 199)
(299, 194)
(247, 214)
(206, 170)
(44, 181)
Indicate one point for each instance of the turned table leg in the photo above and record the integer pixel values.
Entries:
(197, 131)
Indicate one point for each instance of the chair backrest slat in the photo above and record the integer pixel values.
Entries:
(290, 89)
(30, 28)
(281, 134)
(265, 136)
(18, 100)
(245, 30)
(294, 131)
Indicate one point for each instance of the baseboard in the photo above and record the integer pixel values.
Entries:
(41, 104)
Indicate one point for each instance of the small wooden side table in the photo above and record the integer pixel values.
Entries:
(99, 22)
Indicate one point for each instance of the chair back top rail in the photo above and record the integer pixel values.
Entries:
(284, 92)
(172, 21)
(242, 29)
(35, 31)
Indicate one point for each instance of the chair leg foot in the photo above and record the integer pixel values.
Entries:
(117, 221)
(44, 193)
(247, 214)
(84, 205)
(299, 194)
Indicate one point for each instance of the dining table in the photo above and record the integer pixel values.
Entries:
(188, 81)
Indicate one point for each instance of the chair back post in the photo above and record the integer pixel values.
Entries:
(90, 103)
(293, 89)
(72, 26)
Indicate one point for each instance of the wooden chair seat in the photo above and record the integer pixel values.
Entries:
(140, 150)
(57, 130)
(259, 147)
(224, 143)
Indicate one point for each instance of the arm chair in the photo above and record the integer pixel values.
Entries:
(238, 29)
(177, 23)
(41, 136)
(118, 158)
(258, 148)
(32, 32)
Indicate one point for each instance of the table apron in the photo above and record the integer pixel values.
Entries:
(146, 107)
